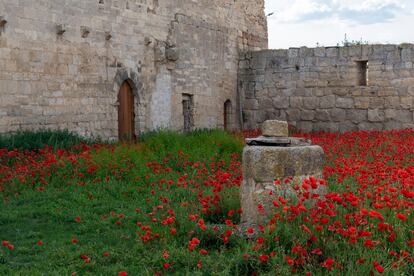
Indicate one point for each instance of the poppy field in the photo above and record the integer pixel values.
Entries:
(169, 205)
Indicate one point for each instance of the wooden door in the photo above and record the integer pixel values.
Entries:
(126, 114)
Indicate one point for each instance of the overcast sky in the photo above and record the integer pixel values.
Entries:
(298, 23)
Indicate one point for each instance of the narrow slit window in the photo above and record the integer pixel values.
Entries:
(362, 72)
(188, 108)
(228, 112)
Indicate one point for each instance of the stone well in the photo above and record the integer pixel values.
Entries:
(275, 157)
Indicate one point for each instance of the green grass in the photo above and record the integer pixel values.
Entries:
(49, 215)
(29, 140)
(143, 184)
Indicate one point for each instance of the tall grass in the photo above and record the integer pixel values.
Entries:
(33, 140)
(202, 143)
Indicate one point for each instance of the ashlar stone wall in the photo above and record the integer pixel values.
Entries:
(323, 89)
(62, 62)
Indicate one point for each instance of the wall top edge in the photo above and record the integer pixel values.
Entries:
(402, 45)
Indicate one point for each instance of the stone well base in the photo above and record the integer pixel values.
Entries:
(262, 165)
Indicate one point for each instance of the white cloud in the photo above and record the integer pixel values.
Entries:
(362, 11)
(297, 9)
(305, 22)
(366, 5)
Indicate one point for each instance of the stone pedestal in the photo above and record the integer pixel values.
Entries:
(264, 163)
(275, 128)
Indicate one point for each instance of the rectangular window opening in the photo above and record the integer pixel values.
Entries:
(188, 111)
(362, 72)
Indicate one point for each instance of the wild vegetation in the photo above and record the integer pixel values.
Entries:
(169, 204)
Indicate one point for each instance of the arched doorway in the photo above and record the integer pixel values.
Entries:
(126, 114)
(228, 111)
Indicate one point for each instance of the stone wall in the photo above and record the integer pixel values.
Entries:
(62, 62)
(319, 89)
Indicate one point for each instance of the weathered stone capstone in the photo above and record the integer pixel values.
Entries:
(275, 128)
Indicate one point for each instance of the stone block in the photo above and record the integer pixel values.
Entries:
(305, 52)
(303, 92)
(402, 91)
(293, 52)
(408, 125)
(384, 92)
(273, 92)
(410, 90)
(317, 92)
(275, 128)
(293, 115)
(327, 101)
(370, 126)
(356, 116)
(376, 102)
(376, 115)
(406, 102)
(322, 115)
(340, 91)
(392, 125)
(332, 51)
(392, 102)
(310, 102)
(265, 103)
(319, 51)
(344, 102)
(390, 113)
(307, 115)
(347, 126)
(404, 116)
(258, 63)
(296, 102)
(280, 102)
(407, 54)
(337, 114)
(361, 102)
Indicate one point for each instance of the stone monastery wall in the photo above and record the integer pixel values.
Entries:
(62, 62)
(331, 89)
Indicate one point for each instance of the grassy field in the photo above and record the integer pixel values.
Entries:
(169, 205)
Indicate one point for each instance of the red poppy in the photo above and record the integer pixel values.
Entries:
(328, 263)
(378, 267)
(263, 258)
(401, 216)
(250, 230)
